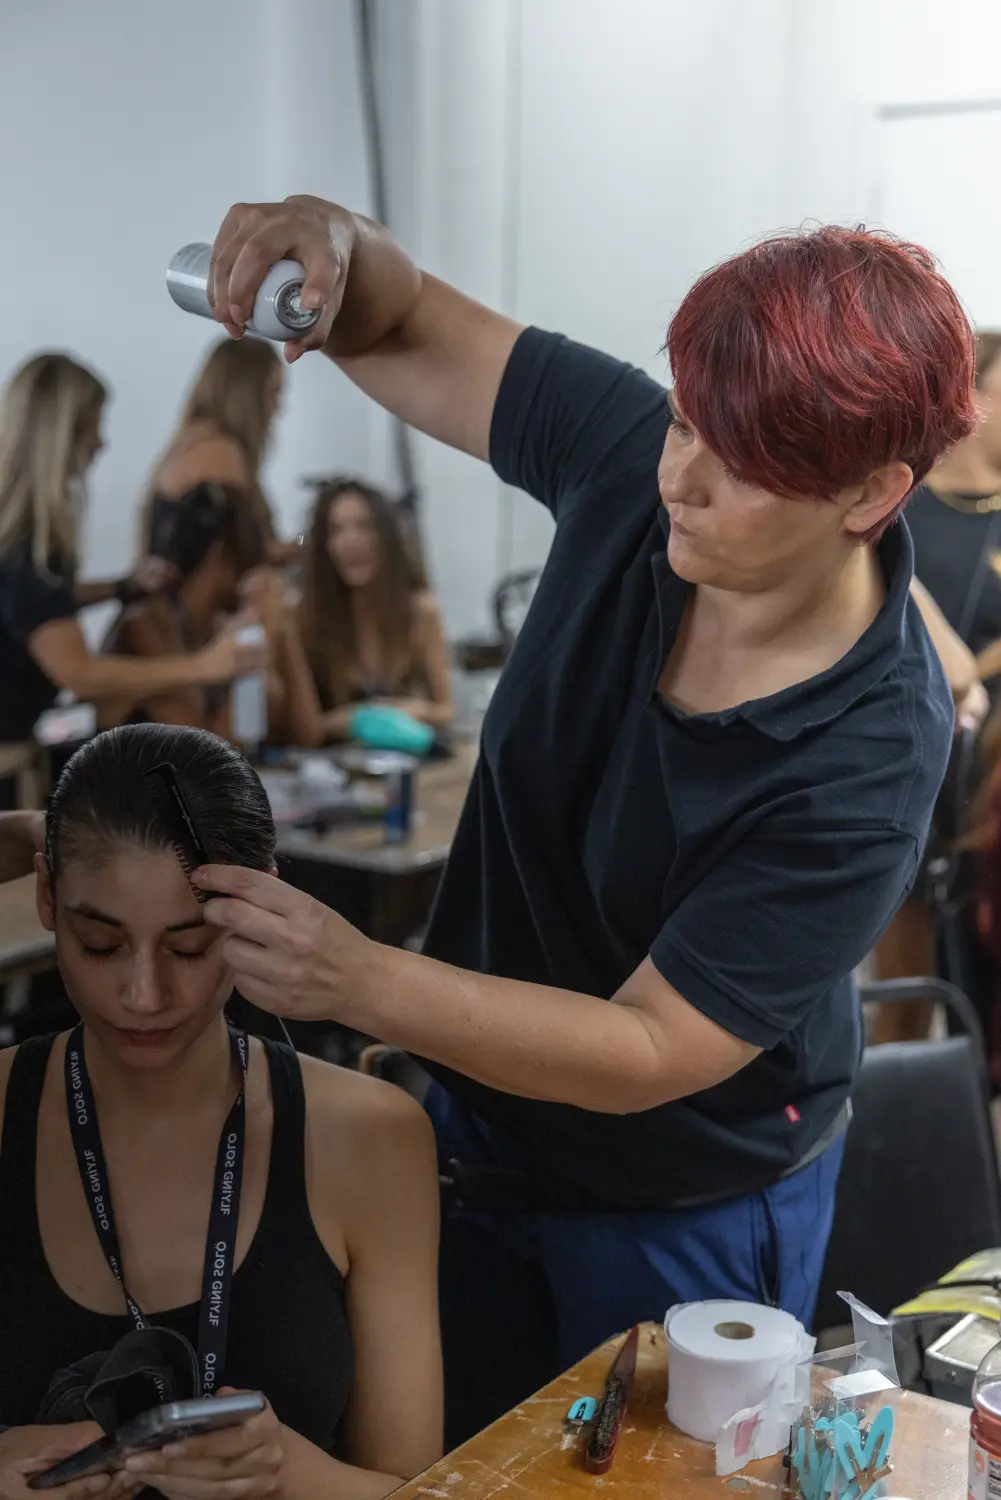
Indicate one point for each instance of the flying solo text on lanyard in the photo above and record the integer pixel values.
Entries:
(224, 1217)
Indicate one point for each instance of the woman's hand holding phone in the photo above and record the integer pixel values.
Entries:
(234, 1463)
(25, 1451)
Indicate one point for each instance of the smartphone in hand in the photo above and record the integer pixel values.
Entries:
(170, 1423)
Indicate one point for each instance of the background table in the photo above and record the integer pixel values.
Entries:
(384, 889)
(524, 1453)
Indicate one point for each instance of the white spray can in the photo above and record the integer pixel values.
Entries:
(278, 312)
(248, 705)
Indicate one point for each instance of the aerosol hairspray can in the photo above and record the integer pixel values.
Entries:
(278, 313)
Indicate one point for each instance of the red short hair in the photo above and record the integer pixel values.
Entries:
(814, 358)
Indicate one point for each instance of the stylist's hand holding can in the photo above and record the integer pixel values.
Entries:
(253, 238)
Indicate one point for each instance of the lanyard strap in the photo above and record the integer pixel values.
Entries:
(224, 1215)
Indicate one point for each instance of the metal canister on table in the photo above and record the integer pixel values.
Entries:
(398, 772)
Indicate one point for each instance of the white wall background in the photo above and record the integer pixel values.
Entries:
(574, 162)
(138, 126)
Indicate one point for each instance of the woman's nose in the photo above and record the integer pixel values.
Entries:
(144, 994)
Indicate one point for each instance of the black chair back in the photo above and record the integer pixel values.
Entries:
(919, 1187)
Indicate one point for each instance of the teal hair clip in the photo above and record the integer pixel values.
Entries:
(582, 1411)
(842, 1458)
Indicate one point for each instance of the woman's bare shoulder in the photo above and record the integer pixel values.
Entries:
(376, 1128)
(202, 454)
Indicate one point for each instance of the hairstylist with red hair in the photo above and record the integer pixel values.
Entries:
(705, 777)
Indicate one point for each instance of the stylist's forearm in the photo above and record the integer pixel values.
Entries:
(383, 284)
(107, 676)
(96, 591)
(526, 1039)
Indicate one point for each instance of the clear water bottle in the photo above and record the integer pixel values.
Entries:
(278, 311)
(248, 712)
(985, 1429)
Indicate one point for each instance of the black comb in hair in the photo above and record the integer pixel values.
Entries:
(191, 853)
(184, 835)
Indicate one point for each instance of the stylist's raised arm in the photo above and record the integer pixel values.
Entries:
(704, 784)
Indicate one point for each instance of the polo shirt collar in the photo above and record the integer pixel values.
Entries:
(820, 699)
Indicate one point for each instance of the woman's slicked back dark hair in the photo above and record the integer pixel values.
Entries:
(104, 797)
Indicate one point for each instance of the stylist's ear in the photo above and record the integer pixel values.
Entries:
(45, 896)
(870, 503)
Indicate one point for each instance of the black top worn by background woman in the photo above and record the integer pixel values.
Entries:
(28, 600)
(957, 556)
(288, 1330)
(754, 854)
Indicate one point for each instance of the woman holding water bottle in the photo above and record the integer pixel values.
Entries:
(217, 547)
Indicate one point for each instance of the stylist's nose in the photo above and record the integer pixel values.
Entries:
(681, 473)
(144, 995)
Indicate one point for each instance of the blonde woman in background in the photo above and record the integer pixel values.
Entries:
(50, 433)
(372, 631)
(222, 437)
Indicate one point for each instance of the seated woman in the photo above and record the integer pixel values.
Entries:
(370, 628)
(217, 547)
(332, 1310)
(50, 433)
(222, 437)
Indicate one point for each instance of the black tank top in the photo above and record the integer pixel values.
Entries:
(288, 1333)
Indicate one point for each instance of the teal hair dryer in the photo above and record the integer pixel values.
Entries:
(383, 728)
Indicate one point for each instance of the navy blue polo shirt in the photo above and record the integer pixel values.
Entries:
(755, 854)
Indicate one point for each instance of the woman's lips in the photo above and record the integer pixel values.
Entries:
(148, 1037)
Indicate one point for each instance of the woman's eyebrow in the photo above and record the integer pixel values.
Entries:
(84, 909)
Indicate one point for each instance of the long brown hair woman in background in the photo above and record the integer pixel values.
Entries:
(370, 627)
(223, 433)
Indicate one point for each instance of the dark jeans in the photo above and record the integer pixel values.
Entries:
(524, 1296)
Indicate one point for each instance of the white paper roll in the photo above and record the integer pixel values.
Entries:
(725, 1357)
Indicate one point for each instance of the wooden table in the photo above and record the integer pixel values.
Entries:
(385, 889)
(440, 792)
(524, 1453)
(25, 946)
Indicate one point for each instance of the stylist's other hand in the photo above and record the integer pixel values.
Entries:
(226, 657)
(235, 1463)
(289, 954)
(254, 236)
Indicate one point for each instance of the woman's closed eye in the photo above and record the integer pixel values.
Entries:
(188, 956)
